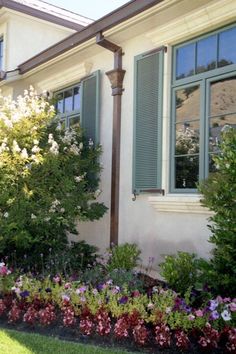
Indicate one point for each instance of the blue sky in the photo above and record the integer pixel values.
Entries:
(90, 8)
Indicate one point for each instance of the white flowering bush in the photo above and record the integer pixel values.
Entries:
(48, 179)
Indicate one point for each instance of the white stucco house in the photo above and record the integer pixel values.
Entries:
(154, 82)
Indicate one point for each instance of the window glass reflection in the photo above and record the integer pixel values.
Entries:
(76, 98)
(227, 47)
(59, 104)
(68, 98)
(186, 171)
(185, 61)
(187, 104)
(187, 139)
(223, 97)
(206, 54)
(74, 121)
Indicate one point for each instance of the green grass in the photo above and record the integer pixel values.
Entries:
(13, 342)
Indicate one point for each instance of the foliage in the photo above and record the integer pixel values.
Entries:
(48, 180)
(123, 256)
(219, 195)
(159, 317)
(180, 271)
(74, 258)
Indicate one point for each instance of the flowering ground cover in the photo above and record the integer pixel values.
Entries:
(151, 321)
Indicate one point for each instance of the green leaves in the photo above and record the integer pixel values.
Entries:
(48, 178)
(219, 192)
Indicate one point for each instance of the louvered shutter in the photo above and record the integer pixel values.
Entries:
(90, 106)
(148, 122)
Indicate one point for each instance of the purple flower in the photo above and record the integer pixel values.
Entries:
(65, 297)
(213, 305)
(214, 315)
(48, 290)
(123, 300)
(81, 290)
(24, 294)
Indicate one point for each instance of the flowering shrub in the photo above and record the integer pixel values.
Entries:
(48, 180)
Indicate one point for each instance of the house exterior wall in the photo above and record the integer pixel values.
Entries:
(158, 224)
(24, 36)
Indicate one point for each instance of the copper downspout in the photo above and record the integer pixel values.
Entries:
(116, 77)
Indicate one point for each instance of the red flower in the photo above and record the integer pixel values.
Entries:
(140, 333)
(163, 335)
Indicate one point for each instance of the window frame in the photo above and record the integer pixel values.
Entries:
(67, 116)
(204, 80)
(1, 50)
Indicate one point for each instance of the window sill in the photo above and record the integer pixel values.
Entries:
(179, 204)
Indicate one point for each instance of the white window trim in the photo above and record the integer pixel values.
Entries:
(189, 204)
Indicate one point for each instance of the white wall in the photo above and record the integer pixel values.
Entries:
(26, 36)
(142, 221)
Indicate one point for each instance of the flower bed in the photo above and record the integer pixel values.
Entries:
(156, 320)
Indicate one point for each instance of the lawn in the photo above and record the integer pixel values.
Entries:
(13, 342)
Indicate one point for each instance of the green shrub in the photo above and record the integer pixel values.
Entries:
(180, 271)
(48, 180)
(219, 195)
(124, 256)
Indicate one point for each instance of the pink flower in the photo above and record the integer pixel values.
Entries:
(232, 306)
(67, 285)
(191, 317)
(199, 313)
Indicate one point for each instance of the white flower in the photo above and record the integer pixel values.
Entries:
(91, 143)
(74, 149)
(6, 214)
(15, 147)
(33, 216)
(226, 315)
(81, 146)
(97, 193)
(36, 142)
(24, 154)
(227, 165)
(50, 139)
(54, 148)
(62, 210)
(79, 178)
(47, 219)
(35, 149)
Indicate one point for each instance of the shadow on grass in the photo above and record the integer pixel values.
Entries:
(28, 343)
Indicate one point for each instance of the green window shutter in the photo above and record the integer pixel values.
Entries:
(90, 106)
(148, 122)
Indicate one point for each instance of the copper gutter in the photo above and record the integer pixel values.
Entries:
(116, 77)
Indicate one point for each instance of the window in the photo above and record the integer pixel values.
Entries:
(203, 102)
(1, 53)
(80, 104)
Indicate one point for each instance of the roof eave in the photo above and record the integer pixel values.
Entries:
(114, 18)
(40, 14)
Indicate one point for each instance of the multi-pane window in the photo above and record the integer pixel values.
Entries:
(68, 105)
(80, 104)
(204, 101)
(1, 53)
